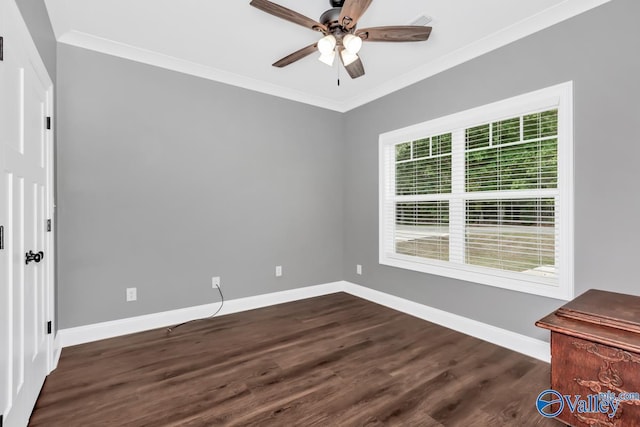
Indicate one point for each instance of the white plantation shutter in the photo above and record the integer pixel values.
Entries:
(484, 195)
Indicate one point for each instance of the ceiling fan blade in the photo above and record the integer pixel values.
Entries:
(288, 15)
(355, 69)
(351, 12)
(402, 33)
(297, 55)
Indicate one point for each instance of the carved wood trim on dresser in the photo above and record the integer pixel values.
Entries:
(589, 356)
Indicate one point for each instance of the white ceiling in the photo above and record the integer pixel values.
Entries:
(235, 43)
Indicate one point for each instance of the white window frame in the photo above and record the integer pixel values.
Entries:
(560, 97)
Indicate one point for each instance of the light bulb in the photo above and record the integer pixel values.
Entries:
(327, 44)
(352, 43)
(328, 58)
(348, 58)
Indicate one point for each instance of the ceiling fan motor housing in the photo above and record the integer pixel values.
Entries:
(331, 19)
(336, 3)
(330, 16)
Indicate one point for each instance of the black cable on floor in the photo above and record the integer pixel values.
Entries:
(169, 330)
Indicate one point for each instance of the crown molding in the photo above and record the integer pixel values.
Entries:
(517, 31)
(145, 56)
(528, 26)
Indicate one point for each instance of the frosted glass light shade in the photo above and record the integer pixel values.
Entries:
(352, 43)
(328, 58)
(327, 44)
(348, 58)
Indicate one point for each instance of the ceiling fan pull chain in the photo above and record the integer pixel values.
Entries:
(338, 68)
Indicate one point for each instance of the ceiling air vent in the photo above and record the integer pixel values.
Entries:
(422, 21)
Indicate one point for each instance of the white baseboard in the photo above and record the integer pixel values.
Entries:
(115, 328)
(513, 341)
(517, 342)
(57, 350)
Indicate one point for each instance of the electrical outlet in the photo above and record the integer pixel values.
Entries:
(215, 282)
(359, 269)
(278, 270)
(132, 294)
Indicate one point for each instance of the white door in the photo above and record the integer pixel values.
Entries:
(25, 206)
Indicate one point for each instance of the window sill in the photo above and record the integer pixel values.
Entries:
(514, 281)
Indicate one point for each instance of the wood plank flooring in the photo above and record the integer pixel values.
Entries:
(335, 360)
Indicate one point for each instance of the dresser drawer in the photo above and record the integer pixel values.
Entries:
(581, 367)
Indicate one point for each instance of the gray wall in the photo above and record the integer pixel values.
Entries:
(36, 17)
(165, 180)
(598, 50)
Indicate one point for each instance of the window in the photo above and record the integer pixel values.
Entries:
(485, 195)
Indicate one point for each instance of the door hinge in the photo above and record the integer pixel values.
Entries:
(1, 59)
(1, 239)
(49, 225)
(49, 327)
(48, 122)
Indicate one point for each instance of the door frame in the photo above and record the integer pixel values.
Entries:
(53, 350)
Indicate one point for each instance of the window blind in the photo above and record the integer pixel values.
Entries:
(513, 157)
(422, 168)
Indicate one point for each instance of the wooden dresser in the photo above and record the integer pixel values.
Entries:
(595, 348)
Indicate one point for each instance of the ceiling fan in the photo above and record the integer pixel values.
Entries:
(341, 37)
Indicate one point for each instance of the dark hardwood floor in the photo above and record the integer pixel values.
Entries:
(326, 361)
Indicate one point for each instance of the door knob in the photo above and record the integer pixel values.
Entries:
(30, 256)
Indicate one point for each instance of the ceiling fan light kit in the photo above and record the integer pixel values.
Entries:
(338, 25)
(348, 58)
(352, 43)
(328, 58)
(327, 44)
